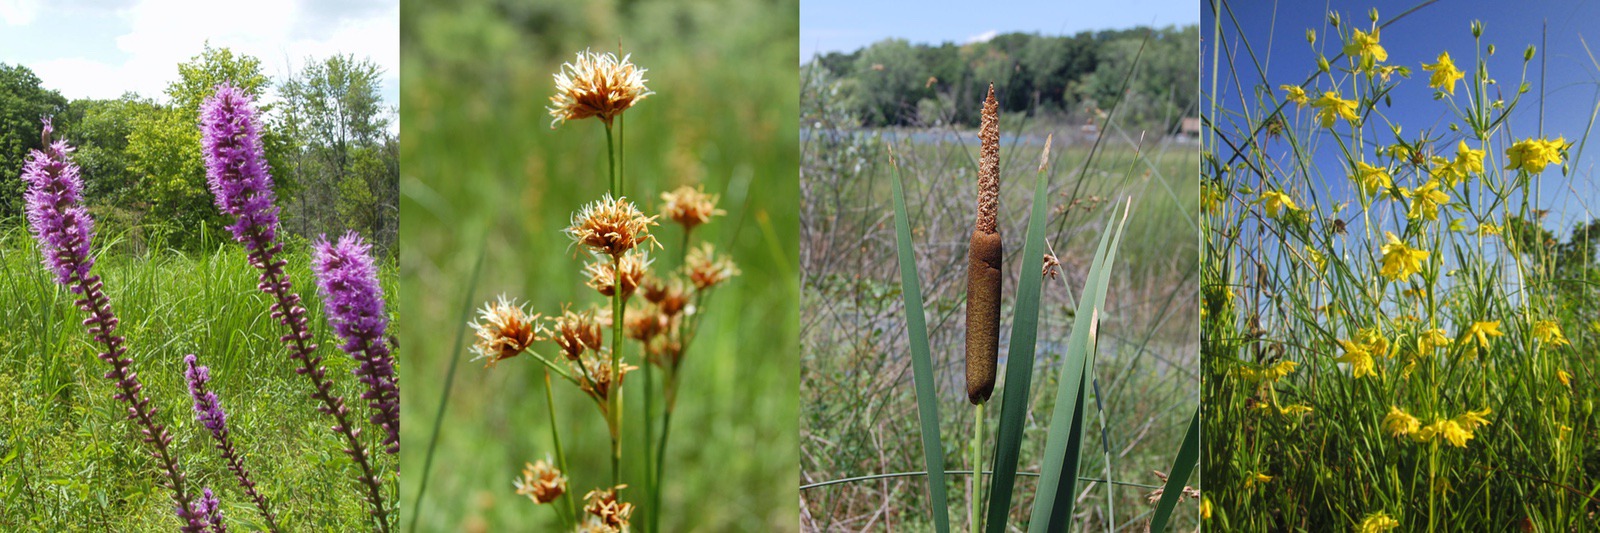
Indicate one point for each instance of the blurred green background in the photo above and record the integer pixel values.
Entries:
(481, 169)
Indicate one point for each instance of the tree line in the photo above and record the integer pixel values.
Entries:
(327, 136)
(896, 83)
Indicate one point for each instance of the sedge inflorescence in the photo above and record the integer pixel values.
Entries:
(1393, 291)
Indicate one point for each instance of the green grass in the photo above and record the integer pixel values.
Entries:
(69, 461)
(860, 414)
(482, 170)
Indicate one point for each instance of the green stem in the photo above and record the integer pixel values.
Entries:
(611, 157)
(977, 466)
(1433, 467)
(561, 456)
(616, 369)
(652, 483)
(661, 450)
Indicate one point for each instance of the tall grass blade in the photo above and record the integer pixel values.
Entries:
(1019, 364)
(1188, 457)
(1054, 500)
(444, 398)
(921, 359)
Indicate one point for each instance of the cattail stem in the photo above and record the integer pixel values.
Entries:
(977, 467)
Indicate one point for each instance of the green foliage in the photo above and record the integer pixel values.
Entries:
(70, 461)
(893, 82)
(23, 102)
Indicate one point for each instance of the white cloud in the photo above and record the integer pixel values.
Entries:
(981, 38)
(163, 33)
(19, 12)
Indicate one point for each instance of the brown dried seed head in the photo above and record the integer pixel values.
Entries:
(504, 331)
(603, 274)
(604, 507)
(598, 369)
(983, 314)
(596, 85)
(689, 206)
(645, 323)
(989, 165)
(541, 482)
(707, 269)
(611, 226)
(576, 332)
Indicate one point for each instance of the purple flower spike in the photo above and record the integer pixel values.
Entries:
(59, 222)
(236, 166)
(63, 228)
(208, 410)
(354, 299)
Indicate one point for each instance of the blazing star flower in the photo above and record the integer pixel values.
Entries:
(63, 230)
(1426, 200)
(60, 223)
(1275, 203)
(1373, 180)
(1365, 46)
(596, 85)
(1378, 522)
(348, 280)
(1330, 108)
(1400, 424)
(1359, 358)
(1294, 93)
(1532, 155)
(208, 411)
(236, 166)
(1445, 74)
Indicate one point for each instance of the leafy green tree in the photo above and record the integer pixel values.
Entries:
(23, 102)
(343, 159)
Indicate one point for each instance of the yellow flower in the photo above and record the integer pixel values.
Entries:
(1445, 74)
(1330, 108)
(1448, 430)
(1294, 410)
(1275, 202)
(1211, 198)
(1400, 261)
(1485, 230)
(1549, 332)
(1564, 377)
(1398, 423)
(596, 85)
(1425, 201)
(1471, 420)
(1279, 370)
(1361, 364)
(1533, 155)
(1377, 523)
(1371, 179)
(1374, 341)
(1294, 94)
(1468, 161)
(1428, 340)
(1365, 46)
(1205, 508)
(1483, 330)
(1316, 258)
(1256, 479)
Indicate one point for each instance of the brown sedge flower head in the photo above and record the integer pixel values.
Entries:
(645, 323)
(707, 269)
(577, 332)
(689, 206)
(635, 266)
(541, 482)
(504, 330)
(596, 85)
(611, 226)
(668, 295)
(598, 369)
(605, 509)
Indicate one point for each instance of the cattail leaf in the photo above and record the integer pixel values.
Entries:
(1019, 364)
(921, 359)
(1053, 501)
(1188, 457)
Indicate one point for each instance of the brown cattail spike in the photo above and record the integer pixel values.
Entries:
(984, 262)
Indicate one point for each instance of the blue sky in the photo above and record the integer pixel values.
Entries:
(1571, 88)
(846, 25)
(104, 48)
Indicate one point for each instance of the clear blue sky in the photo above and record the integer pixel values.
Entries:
(847, 25)
(1276, 30)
